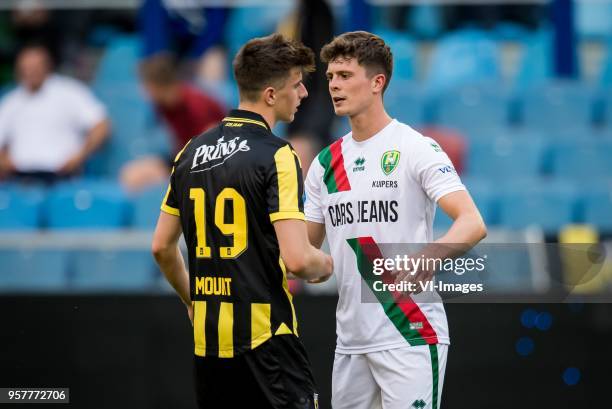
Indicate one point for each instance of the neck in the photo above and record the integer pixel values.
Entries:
(266, 112)
(369, 122)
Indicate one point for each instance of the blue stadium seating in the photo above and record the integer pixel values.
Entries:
(146, 207)
(558, 107)
(33, 270)
(404, 53)
(547, 204)
(598, 210)
(462, 58)
(473, 109)
(583, 160)
(114, 270)
(503, 158)
(87, 205)
(20, 207)
(407, 102)
(485, 197)
(536, 66)
(245, 23)
(119, 64)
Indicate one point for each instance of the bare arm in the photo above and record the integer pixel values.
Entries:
(316, 233)
(468, 228)
(95, 138)
(168, 255)
(299, 256)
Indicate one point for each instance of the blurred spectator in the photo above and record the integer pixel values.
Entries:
(310, 131)
(186, 110)
(181, 27)
(50, 124)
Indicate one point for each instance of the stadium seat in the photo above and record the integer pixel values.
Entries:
(404, 54)
(598, 210)
(452, 142)
(546, 204)
(462, 58)
(245, 23)
(119, 63)
(30, 269)
(585, 161)
(473, 108)
(503, 158)
(146, 207)
(407, 102)
(484, 197)
(87, 205)
(113, 270)
(20, 207)
(536, 62)
(557, 107)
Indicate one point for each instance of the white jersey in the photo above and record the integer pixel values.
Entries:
(381, 190)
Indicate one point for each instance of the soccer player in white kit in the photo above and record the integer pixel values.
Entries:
(380, 184)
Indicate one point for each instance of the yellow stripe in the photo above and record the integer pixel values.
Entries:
(169, 209)
(287, 176)
(261, 330)
(245, 120)
(199, 325)
(226, 330)
(289, 296)
(286, 215)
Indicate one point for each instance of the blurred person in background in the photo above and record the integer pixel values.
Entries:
(50, 124)
(313, 25)
(184, 108)
(183, 28)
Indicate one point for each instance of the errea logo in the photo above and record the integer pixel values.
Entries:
(359, 165)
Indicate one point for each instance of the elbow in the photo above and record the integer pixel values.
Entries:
(481, 230)
(159, 249)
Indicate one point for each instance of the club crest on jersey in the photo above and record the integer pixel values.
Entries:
(215, 155)
(389, 161)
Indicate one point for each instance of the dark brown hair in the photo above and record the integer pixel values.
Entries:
(159, 69)
(370, 50)
(266, 61)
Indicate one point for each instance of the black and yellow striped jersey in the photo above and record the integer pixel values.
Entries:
(228, 186)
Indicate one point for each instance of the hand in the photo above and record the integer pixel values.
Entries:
(7, 166)
(418, 278)
(190, 313)
(327, 275)
(72, 165)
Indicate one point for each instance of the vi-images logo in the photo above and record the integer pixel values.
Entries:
(389, 161)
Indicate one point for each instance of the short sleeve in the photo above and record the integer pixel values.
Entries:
(312, 205)
(285, 188)
(434, 170)
(170, 203)
(88, 110)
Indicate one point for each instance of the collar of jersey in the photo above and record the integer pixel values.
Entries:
(247, 117)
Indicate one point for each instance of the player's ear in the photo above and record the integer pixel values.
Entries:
(378, 82)
(269, 96)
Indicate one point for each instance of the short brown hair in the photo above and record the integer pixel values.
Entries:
(370, 50)
(266, 61)
(159, 69)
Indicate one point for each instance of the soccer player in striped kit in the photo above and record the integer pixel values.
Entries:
(380, 184)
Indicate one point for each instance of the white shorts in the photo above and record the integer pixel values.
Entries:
(403, 378)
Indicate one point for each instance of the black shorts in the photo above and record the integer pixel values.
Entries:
(275, 375)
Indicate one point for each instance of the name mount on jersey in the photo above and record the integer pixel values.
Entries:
(215, 155)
